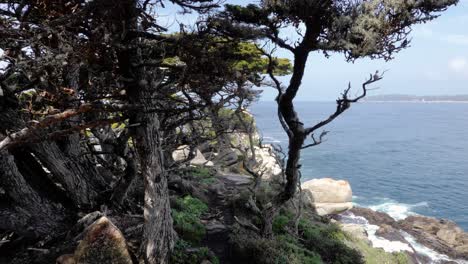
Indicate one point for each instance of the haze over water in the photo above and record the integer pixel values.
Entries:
(400, 158)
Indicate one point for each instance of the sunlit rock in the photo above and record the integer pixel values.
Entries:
(327, 196)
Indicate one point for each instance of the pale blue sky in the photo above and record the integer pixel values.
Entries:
(435, 64)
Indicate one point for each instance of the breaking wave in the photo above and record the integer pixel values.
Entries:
(396, 210)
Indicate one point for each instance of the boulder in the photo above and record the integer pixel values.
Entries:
(327, 196)
(441, 235)
(182, 153)
(103, 243)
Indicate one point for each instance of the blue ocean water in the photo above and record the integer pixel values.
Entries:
(401, 158)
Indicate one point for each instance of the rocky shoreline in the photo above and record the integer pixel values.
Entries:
(425, 239)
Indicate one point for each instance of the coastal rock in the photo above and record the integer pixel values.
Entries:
(103, 243)
(441, 235)
(356, 230)
(374, 217)
(327, 196)
(182, 153)
(241, 140)
(390, 233)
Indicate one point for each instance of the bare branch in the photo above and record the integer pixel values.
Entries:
(315, 141)
(344, 102)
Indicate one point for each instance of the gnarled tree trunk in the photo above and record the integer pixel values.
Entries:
(142, 87)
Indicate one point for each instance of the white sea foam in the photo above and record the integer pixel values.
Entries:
(434, 256)
(387, 245)
(377, 242)
(271, 140)
(396, 210)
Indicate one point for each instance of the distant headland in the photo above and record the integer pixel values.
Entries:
(416, 98)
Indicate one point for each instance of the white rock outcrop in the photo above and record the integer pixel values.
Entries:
(182, 153)
(327, 196)
(267, 161)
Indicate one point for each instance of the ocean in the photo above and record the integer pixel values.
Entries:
(401, 158)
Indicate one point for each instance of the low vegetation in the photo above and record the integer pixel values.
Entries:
(185, 253)
(315, 242)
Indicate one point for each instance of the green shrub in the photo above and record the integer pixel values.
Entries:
(282, 222)
(183, 253)
(186, 215)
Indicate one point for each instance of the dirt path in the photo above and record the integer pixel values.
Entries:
(221, 215)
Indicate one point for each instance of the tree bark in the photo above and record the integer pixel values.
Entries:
(30, 214)
(158, 237)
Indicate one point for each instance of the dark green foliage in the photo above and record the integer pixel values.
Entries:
(186, 215)
(281, 223)
(183, 253)
(373, 28)
(328, 242)
(248, 247)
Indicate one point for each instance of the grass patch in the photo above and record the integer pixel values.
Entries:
(186, 214)
(377, 255)
(203, 175)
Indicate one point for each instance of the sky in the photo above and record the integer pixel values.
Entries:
(436, 63)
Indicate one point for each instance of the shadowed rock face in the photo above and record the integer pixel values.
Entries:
(104, 244)
(327, 196)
